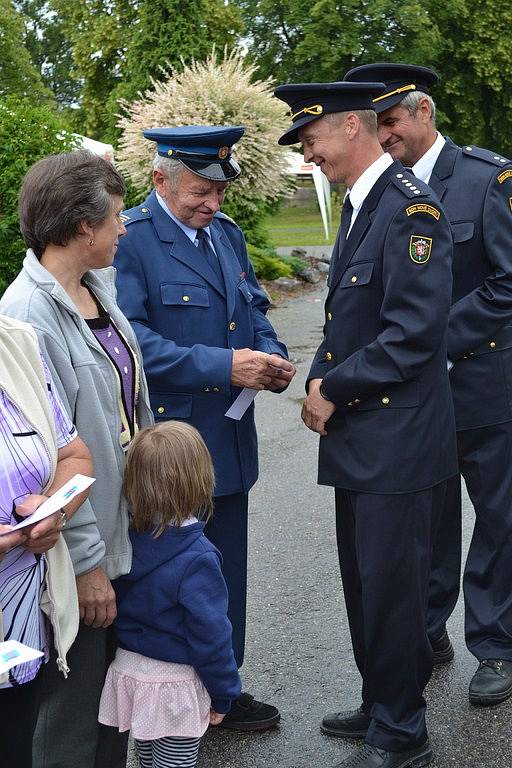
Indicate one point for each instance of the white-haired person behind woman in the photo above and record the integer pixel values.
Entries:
(70, 206)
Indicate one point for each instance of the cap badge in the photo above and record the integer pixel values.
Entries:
(223, 153)
(420, 248)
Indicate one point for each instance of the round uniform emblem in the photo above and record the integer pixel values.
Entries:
(223, 153)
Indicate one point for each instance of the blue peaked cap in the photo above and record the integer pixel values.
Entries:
(204, 150)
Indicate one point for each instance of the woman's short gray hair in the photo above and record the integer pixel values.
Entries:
(412, 101)
(61, 191)
(170, 168)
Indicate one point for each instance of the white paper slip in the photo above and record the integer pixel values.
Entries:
(13, 653)
(241, 404)
(57, 500)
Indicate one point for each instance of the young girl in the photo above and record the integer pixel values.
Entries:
(174, 672)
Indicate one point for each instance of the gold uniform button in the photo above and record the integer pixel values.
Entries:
(215, 389)
(328, 356)
(329, 316)
(351, 403)
(186, 298)
(161, 409)
(232, 326)
(492, 344)
(385, 401)
(356, 401)
(354, 278)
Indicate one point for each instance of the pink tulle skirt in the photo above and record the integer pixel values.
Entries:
(153, 699)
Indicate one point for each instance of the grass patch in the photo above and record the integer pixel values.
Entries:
(297, 226)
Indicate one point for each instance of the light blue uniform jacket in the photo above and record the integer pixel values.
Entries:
(188, 323)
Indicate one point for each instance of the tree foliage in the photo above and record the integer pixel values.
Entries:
(27, 133)
(18, 75)
(214, 92)
(466, 41)
(50, 50)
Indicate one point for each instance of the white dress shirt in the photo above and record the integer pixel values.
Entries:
(425, 165)
(364, 184)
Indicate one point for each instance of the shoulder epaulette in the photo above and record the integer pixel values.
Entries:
(221, 215)
(138, 213)
(486, 155)
(409, 184)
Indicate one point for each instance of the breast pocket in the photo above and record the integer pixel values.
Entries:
(184, 295)
(462, 231)
(357, 275)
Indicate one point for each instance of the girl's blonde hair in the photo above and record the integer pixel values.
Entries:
(169, 477)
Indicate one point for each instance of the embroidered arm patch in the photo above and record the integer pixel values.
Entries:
(420, 248)
(423, 208)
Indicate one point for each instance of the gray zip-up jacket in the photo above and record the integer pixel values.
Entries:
(97, 534)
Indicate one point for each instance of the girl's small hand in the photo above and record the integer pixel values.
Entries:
(215, 717)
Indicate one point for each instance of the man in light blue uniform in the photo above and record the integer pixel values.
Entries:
(190, 292)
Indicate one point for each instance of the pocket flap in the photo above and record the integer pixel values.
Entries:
(184, 294)
(357, 274)
(245, 290)
(171, 406)
(462, 231)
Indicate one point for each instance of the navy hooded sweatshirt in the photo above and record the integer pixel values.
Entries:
(173, 604)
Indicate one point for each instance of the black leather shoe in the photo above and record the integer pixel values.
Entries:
(491, 683)
(347, 725)
(443, 649)
(373, 757)
(247, 714)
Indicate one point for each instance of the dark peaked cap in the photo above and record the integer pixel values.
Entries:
(309, 101)
(400, 79)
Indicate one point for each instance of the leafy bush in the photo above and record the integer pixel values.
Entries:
(268, 265)
(215, 92)
(27, 133)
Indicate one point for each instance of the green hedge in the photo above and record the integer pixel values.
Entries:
(27, 133)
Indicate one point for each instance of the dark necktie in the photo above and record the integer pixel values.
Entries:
(204, 247)
(346, 218)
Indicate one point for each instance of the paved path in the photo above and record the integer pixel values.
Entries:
(298, 647)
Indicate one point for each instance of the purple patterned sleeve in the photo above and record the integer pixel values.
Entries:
(64, 427)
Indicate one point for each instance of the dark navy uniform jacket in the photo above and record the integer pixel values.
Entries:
(475, 187)
(187, 324)
(383, 357)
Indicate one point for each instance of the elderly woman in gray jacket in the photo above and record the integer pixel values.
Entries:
(70, 206)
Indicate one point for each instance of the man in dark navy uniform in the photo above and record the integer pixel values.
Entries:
(379, 396)
(188, 287)
(475, 187)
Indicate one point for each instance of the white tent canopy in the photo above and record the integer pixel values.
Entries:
(106, 151)
(297, 167)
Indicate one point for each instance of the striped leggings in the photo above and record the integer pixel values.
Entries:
(170, 752)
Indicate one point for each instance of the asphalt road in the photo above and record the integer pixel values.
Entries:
(298, 648)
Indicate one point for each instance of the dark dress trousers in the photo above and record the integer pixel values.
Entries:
(475, 187)
(188, 321)
(390, 445)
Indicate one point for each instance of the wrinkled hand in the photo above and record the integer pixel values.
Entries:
(10, 540)
(281, 378)
(96, 598)
(258, 370)
(44, 535)
(316, 410)
(215, 717)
